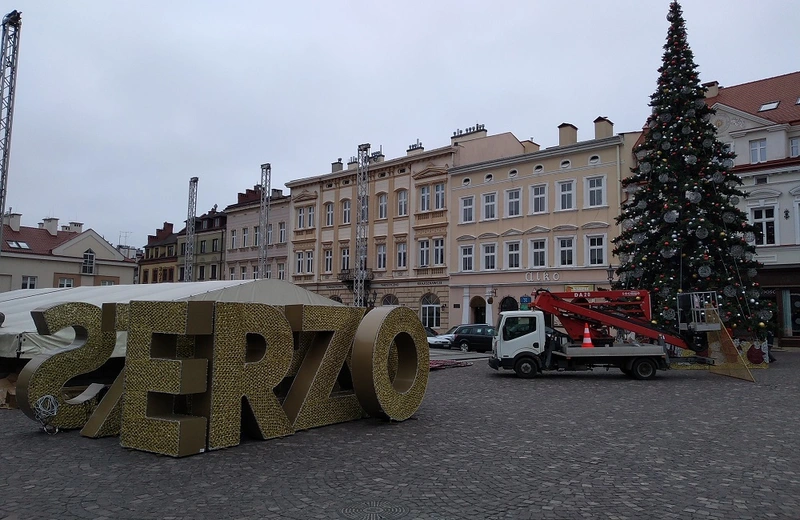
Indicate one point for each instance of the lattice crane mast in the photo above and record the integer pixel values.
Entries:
(9, 52)
(362, 216)
(263, 218)
(190, 234)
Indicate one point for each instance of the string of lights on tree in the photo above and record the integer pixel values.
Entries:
(680, 228)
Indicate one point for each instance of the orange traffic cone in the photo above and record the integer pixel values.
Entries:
(587, 337)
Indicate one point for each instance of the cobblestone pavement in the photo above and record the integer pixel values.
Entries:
(689, 445)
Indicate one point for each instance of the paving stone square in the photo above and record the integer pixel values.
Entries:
(688, 445)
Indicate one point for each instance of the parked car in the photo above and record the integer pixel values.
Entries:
(434, 340)
(474, 337)
(450, 334)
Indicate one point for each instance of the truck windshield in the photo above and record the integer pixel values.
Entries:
(517, 326)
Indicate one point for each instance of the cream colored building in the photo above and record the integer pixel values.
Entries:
(46, 256)
(243, 244)
(408, 218)
(543, 219)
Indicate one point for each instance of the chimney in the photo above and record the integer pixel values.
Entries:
(13, 220)
(567, 134)
(468, 134)
(603, 128)
(377, 157)
(51, 225)
(415, 148)
(76, 227)
(276, 192)
(337, 166)
(712, 89)
(353, 162)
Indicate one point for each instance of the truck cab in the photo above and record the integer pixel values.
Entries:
(520, 335)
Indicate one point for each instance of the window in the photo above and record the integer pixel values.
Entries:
(565, 164)
(244, 237)
(566, 251)
(794, 147)
(213, 271)
(565, 194)
(595, 159)
(425, 198)
(202, 271)
(383, 204)
(329, 214)
(365, 209)
(256, 236)
(438, 251)
(424, 253)
(345, 258)
(764, 221)
(311, 216)
(512, 255)
(538, 253)
(64, 282)
(595, 245)
(205, 224)
(772, 105)
(215, 245)
(466, 209)
(233, 239)
(401, 255)
(171, 251)
(594, 191)
(538, 168)
(281, 232)
(758, 151)
(309, 261)
(202, 246)
(465, 181)
(489, 206)
(232, 273)
(512, 173)
(301, 218)
(328, 260)
(255, 272)
(430, 311)
(488, 177)
(489, 257)
(88, 262)
(390, 299)
(380, 254)
(216, 221)
(760, 179)
(438, 196)
(299, 263)
(539, 198)
(269, 234)
(183, 251)
(244, 272)
(145, 276)
(106, 282)
(402, 203)
(281, 271)
(466, 258)
(346, 211)
(513, 202)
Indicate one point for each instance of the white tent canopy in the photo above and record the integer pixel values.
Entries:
(18, 337)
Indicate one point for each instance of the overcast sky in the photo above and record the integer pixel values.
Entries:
(119, 104)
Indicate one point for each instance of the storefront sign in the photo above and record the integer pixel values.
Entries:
(542, 276)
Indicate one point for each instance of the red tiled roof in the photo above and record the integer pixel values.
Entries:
(40, 241)
(748, 97)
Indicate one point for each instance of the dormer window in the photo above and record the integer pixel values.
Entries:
(772, 105)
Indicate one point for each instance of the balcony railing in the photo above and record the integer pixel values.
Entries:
(348, 275)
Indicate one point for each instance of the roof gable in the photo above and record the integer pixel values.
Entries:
(38, 240)
(89, 239)
(750, 97)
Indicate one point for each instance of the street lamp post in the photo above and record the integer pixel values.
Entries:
(610, 274)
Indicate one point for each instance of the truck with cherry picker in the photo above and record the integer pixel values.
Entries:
(610, 329)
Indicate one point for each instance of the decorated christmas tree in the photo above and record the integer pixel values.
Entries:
(680, 228)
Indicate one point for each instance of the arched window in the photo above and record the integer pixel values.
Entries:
(390, 299)
(431, 311)
(88, 262)
(336, 298)
(509, 304)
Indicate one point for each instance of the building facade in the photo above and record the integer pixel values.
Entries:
(760, 122)
(407, 225)
(543, 219)
(47, 256)
(209, 247)
(243, 244)
(159, 262)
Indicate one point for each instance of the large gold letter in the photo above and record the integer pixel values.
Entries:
(379, 394)
(253, 348)
(154, 375)
(47, 374)
(310, 402)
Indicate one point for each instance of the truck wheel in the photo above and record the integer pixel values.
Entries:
(526, 368)
(643, 369)
(464, 346)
